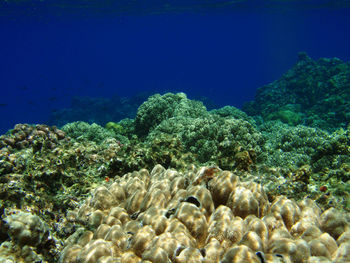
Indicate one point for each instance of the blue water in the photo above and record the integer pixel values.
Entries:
(51, 51)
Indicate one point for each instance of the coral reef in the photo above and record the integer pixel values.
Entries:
(35, 136)
(223, 187)
(161, 107)
(146, 216)
(314, 93)
(30, 236)
(213, 137)
(26, 229)
(292, 147)
(302, 160)
(23, 136)
(45, 181)
(232, 112)
(81, 131)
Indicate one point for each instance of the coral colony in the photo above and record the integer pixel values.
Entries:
(179, 183)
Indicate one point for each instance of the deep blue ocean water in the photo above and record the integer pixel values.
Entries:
(51, 51)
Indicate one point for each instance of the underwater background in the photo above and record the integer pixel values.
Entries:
(174, 131)
(54, 51)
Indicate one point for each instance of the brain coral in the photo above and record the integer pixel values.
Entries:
(168, 216)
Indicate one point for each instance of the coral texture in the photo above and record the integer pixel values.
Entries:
(161, 107)
(314, 93)
(168, 216)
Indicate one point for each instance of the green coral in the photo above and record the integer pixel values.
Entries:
(115, 127)
(321, 88)
(82, 131)
(211, 138)
(286, 116)
(333, 152)
(233, 112)
(161, 107)
(121, 130)
(164, 149)
(291, 147)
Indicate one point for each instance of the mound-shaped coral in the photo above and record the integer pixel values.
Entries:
(153, 217)
(30, 237)
(213, 137)
(82, 131)
(185, 215)
(26, 229)
(161, 107)
(36, 136)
